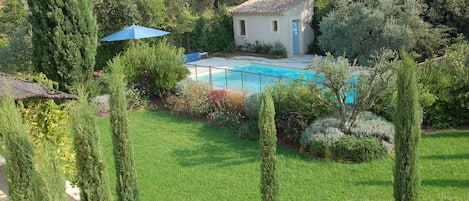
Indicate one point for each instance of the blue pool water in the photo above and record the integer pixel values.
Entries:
(255, 77)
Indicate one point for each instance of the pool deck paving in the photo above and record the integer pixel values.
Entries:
(298, 61)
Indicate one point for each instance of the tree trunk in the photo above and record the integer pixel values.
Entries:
(343, 113)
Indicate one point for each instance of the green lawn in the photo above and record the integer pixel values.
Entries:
(181, 159)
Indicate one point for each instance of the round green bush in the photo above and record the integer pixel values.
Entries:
(317, 149)
(354, 149)
(248, 130)
(252, 104)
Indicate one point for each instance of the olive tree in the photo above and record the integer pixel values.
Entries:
(353, 87)
(359, 29)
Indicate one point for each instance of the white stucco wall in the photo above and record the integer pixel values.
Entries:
(260, 27)
(304, 13)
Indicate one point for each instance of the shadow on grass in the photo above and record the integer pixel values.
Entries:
(450, 134)
(447, 157)
(446, 183)
(220, 149)
(425, 182)
(375, 183)
(217, 147)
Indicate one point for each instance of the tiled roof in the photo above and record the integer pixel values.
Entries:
(264, 6)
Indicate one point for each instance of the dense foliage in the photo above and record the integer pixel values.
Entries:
(442, 90)
(93, 179)
(268, 148)
(64, 40)
(407, 120)
(451, 14)
(321, 10)
(360, 29)
(126, 175)
(211, 34)
(447, 80)
(15, 38)
(197, 29)
(154, 70)
(48, 121)
(19, 152)
(297, 106)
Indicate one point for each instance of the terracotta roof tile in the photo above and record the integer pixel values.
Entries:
(265, 6)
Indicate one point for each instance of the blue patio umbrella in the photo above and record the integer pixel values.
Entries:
(134, 32)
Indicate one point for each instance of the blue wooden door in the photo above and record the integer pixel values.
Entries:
(296, 36)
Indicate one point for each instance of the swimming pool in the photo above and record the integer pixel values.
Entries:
(253, 77)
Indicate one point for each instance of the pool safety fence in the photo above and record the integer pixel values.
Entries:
(222, 77)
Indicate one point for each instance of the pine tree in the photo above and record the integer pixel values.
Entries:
(267, 150)
(93, 178)
(19, 152)
(121, 139)
(64, 40)
(407, 126)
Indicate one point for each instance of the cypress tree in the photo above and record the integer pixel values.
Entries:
(49, 178)
(125, 171)
(407, 126)
(267, 150)
(64, 40)
(19, 152)
(93, 178)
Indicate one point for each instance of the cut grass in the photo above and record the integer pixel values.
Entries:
(183, 159)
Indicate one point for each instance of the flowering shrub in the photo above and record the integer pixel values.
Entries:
(191, 98)
(226, 119)
(101, 104)
(236, 101)
(218, 97)
(136, 99)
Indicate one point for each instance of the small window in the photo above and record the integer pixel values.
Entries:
(275, 26)
(242, 25)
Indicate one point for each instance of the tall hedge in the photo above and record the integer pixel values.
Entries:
(126, 175)
(19, 152)
(407, 119)
(64, 40)
(93, 179)
(267, 150)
